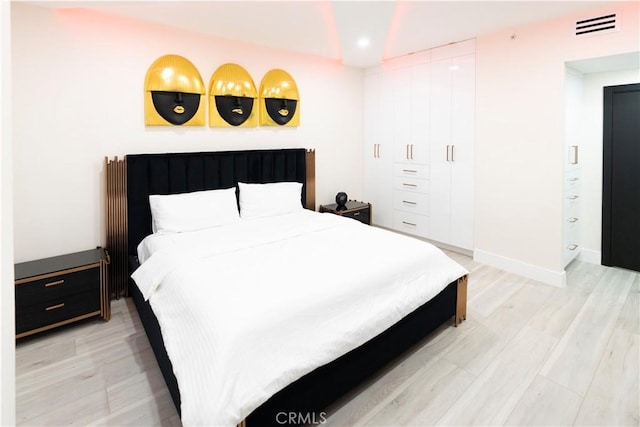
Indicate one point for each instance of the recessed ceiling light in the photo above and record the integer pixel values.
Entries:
(363, 42)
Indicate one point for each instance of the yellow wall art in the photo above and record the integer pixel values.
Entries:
(279, 100)
(173, 91)
(232, 96)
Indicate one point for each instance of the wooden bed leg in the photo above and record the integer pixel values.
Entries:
(461, 301)
(242, 423)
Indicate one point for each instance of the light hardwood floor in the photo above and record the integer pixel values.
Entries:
(528, 354)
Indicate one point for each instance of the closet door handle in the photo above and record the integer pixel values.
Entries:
(574, 160)
(411, 151)
(447, 153)
(453, 159)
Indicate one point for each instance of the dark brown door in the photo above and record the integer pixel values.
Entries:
(621, 177)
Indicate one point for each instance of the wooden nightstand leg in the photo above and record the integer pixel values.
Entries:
(104, 287)
(461, 301)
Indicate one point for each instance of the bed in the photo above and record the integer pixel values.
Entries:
(306, 384)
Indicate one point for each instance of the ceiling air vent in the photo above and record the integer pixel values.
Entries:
(604, 24)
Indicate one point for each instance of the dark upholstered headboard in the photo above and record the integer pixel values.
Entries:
(184, 172)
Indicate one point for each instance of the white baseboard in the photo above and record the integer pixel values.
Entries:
(530, 271)
(590, 256)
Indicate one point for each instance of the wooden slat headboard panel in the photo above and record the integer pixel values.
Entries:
(184, 172)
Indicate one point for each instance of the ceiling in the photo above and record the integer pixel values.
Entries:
(332, 29)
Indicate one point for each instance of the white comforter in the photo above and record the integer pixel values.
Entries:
(249, 308)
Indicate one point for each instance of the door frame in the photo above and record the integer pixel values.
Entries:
(607, 163)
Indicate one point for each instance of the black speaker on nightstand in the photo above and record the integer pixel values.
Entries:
(341, 200)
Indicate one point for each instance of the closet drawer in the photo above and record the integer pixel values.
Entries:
(571, 250)
(409, 201)
(411, 184)
(410, 223)
(411, 170)
(572, 201)
(572, 180)
(571, 230)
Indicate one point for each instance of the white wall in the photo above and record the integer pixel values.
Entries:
(7, 332)
(78, 81)
(520, 138)
(591, 154)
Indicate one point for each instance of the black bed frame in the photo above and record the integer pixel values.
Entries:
(182, 172)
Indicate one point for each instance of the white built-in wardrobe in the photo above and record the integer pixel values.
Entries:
(419, 128)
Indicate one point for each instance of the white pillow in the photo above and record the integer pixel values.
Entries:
(260, 200)
(175, 213)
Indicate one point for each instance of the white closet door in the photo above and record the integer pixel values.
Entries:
(420, 114)
(378, 146)
(462, 156)
(370, 131)
(440, 152)
(402, 114)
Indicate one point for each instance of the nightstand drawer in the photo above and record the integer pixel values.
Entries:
(59, 286)
(57, 310)
(362, 215)
(359, 211)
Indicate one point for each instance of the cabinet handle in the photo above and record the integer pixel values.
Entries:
(409, 170)
(57, 282)
(409, 185)
(453, 158)
(409, 203)
(407, 152)
(54, 307)
(572, 247)
(574, 160)
(573, 197)
(574, 179)
(356, 214)
(409, 223)
(573, 220)
(411, 151)
(447, 153)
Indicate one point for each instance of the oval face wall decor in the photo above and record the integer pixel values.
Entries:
(279, 99)
(173, 90)
(232, 96)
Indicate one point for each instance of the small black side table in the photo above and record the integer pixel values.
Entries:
(54, 291)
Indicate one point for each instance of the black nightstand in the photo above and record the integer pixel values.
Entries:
(55, 291)
(357, 210)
